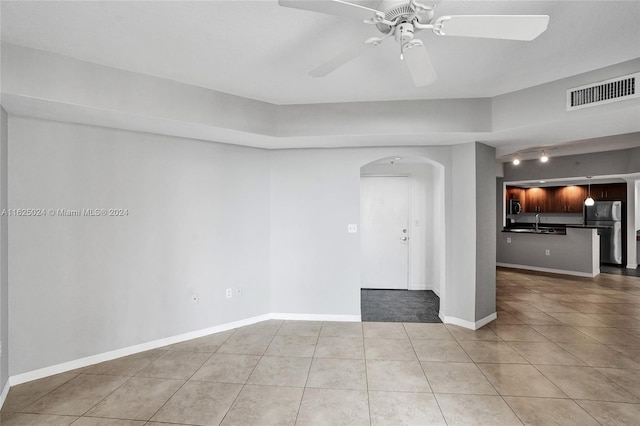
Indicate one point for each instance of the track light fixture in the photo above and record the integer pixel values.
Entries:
(516, 161)
(544, 158)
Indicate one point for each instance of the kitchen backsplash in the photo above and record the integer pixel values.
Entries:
(555, 218)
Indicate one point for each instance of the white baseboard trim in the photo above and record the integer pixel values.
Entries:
(425, 287)
(130, 350)
(316, 317)
(118, 353)
(486, 320)
(5, 392)
(468, 324)
(551, 270)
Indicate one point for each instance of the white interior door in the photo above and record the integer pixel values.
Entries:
(384, 219)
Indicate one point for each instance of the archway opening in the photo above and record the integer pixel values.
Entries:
(402, 239)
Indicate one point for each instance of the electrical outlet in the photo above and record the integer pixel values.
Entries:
(508, 240)
(195, 298)
(238, 292)
(547, 252)
(229, 293)
(352, 228)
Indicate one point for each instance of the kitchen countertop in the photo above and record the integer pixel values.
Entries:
(547, 229)
(544, 230)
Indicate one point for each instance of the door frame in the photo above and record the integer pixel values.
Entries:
(409, 217)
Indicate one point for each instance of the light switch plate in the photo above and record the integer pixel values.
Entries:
(508, 240)
(352, 228)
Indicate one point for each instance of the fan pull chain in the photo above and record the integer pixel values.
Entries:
(401, 52)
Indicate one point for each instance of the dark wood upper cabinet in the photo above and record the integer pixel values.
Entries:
(539, 200)
(514, 193)
(610, 191)
(563, 199)
(569, 199)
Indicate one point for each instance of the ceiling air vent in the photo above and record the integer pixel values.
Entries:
(604, 92)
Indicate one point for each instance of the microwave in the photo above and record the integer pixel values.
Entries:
(514, 207)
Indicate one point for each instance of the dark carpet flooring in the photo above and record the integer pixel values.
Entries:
(399, 305)
(619, 270)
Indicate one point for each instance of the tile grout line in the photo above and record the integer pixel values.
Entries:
(165, 352)
(487, 379)
(38, 399)
(424, 373)
(568, 396)
(125, 382)
(304, 388)
(366, 373)
(189, 378)
(249, 376)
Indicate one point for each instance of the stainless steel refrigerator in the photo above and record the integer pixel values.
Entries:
(607, 216)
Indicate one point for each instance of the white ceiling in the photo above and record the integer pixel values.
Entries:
(259, 50)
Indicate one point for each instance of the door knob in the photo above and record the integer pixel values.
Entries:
(404, 238)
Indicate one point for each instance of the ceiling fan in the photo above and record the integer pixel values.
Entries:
(402, 19)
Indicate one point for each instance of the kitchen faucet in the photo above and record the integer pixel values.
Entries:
(537, 221)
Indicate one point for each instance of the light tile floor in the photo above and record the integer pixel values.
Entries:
(563, 351)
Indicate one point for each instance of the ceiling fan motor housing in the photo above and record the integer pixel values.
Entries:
(404, 33)
(402, 13)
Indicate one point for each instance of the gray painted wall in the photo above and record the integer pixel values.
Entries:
(632, 225)
(4, 259)
(459, 298)
(315, 194)
(202, 217)
(574, 252)
(471, 249)
(485, 300)
(546, 103)
(315, 263)
(61, 88)
(623, 161)
(198, 223)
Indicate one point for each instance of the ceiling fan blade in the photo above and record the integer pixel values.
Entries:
(508, 27)
(419, 64)
(333, 7)
(338, 61)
